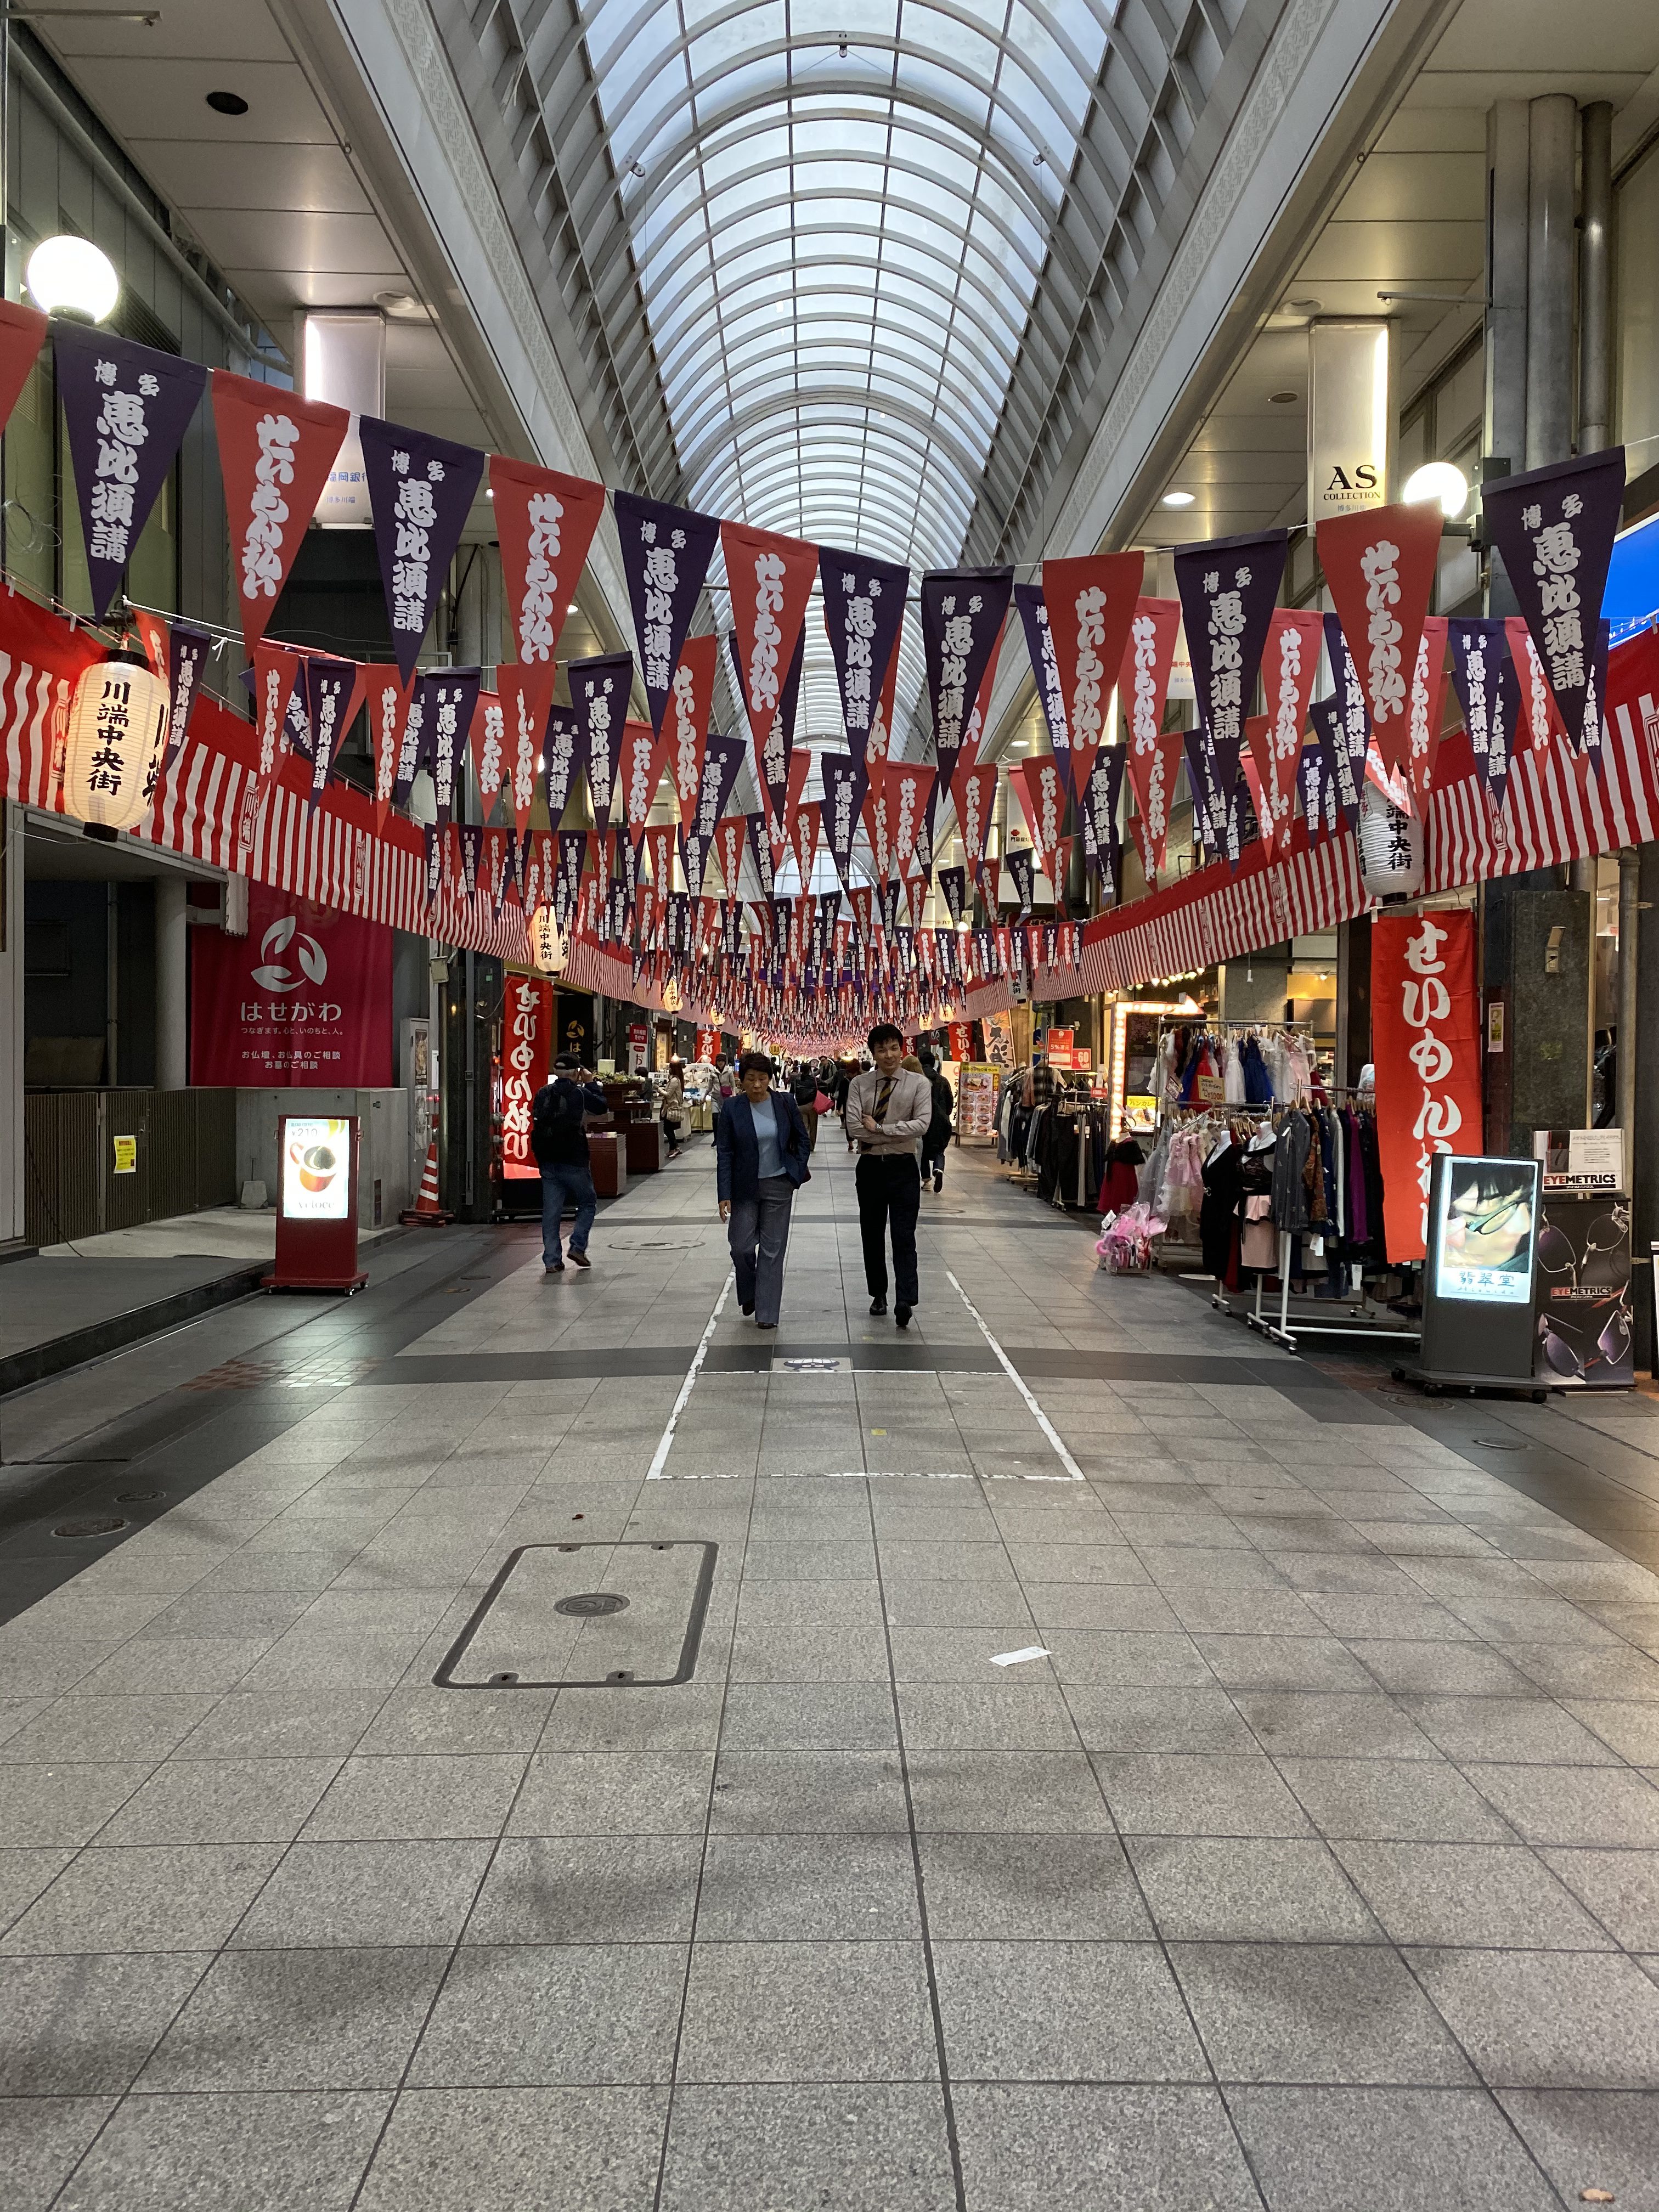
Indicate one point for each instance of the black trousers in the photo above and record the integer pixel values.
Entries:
(890, 1196)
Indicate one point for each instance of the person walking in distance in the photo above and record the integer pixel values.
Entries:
(762, 1156)
(938, 1129)
(889, 1108)
(561, 1115)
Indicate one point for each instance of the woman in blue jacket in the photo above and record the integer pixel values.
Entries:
(762, 1154)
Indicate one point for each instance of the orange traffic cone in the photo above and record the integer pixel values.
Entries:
(426, 1212)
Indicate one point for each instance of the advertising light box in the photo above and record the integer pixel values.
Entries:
(316, 1158)
(1484, 1213)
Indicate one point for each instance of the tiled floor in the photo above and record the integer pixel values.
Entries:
(1315, 1867)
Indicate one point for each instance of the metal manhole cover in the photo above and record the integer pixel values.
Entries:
(589, 1603)
(105, 1525)
(542, 1624)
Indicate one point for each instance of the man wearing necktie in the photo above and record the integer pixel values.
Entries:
(888, 1111)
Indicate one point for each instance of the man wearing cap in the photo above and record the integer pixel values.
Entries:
(560, 1117)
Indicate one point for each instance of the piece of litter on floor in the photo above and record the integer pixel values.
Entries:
(1596, 2196)
(1013, 1658)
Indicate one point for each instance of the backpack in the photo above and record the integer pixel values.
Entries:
(557, 1109)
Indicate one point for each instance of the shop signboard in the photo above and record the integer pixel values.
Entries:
(1582, 1160)
(1480, 1272)
(1000, 1040)
(316, 1204)
(708, 1044)
(526, 1051)
(639, 1037)
(1584, 1326)
(1425, 1039)
(304, 999)
(1060, 1049)
(976, 1101)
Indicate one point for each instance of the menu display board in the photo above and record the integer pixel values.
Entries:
(976, 1102)
(315, 1156)
(316, 1206)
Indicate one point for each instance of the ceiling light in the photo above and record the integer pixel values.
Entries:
(489, 491)
(1178, 498)
(226, 103)
(72, 276)
(1306, 307)
(1283, 399)
(571, 608)
(403, 307)
(1439, 480)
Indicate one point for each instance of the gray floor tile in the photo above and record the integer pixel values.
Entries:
(1530, 1730)
(807, 2012)
(1280, 1890)
(222, 1801)
(588, 1889)
(259, 2152)
(1386, 2150)
(828, 1605)
(808, 1792)
(735, 2150)
(1332, 1723)
(1632, 1728)
(1029, 1889)
(1199, 1719)
(1014, 1710)
(1108, 1564)
(810, 1716)
(283, 1724)
(613, 1793)
(1555, 2019)
(77, 2028)
(1567, 1805)
(814, 1651)
(64, 1805)
(417, 1796)
(333, 2018)
(364, 1894)
(1076, 2147)
(1620, 1888)
(686, 1719)
(1126, 1660)
(1198, 1794)
(77, 1729)
(1246, 1613)
(1402, 1801)
(958, 1605)
(1005, 1792)
(1315, 2013)
(1469, 1894)
(812, 1889)
(1096, 2012)
(41, 2138)
(24, 1875)
(1440, 1669)
(1281, 1662)
(518, 2150)
(161, 1899)
(424, 1719)
(1068, 1605)
(1586, 2140)
(546, 2014)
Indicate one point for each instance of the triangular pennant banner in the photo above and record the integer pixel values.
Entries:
(421, 490)
(545, 524)
(275, 453)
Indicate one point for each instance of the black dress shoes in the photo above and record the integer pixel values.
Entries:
(877, 1305)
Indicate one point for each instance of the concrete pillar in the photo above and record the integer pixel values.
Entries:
(1507, 145)
(1644, 1215)
(171, 985)
(1551, 208)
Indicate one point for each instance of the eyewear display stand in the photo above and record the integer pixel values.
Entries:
(1480, 1277)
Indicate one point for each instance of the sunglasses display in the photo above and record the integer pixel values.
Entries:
(1584, 1326)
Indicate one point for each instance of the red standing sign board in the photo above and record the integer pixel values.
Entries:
(316, 1204)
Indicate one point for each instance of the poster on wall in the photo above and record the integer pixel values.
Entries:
(1425, 1043)
(1000, 1040)
(304, 997)
(526, 1053)
(976, 1102)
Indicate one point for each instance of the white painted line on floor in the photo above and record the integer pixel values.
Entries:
(666, 1442)
(1073, 1472)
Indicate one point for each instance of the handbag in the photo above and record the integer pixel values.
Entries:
(821, 1104)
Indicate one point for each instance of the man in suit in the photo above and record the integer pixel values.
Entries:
(762, 1157)
(889, 1108)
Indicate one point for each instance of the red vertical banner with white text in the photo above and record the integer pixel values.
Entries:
(526, 1048)
(1426, 1042)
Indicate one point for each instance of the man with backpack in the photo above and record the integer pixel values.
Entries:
(560, 1115)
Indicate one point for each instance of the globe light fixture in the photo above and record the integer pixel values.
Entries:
(1439, 480)
(72, 276)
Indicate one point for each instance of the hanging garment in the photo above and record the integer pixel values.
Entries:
(1219, 1214)
(1121, 1184)
(1289, 1196)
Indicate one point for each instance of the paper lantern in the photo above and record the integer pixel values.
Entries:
(670, 997)
(117, 726)
(1390, 847)
(548, 947)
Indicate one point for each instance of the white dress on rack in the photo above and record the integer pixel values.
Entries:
(1233, 1076)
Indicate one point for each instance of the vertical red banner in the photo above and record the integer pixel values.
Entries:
(526, 1048)
(1426, 1042)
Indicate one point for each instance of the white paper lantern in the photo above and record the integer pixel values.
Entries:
(1390, 847)
(670, 997)
(548, 947)
(117, 726)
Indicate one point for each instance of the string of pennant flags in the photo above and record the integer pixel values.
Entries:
(1522, 683)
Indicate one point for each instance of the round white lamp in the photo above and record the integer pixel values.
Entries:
(1439, 480)
(72, 276)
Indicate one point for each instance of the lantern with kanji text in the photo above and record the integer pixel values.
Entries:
(117, 726)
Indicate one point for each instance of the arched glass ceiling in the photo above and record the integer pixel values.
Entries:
(838, 222)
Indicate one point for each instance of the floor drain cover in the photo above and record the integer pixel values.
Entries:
(106, 1525)
(542, 1624)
